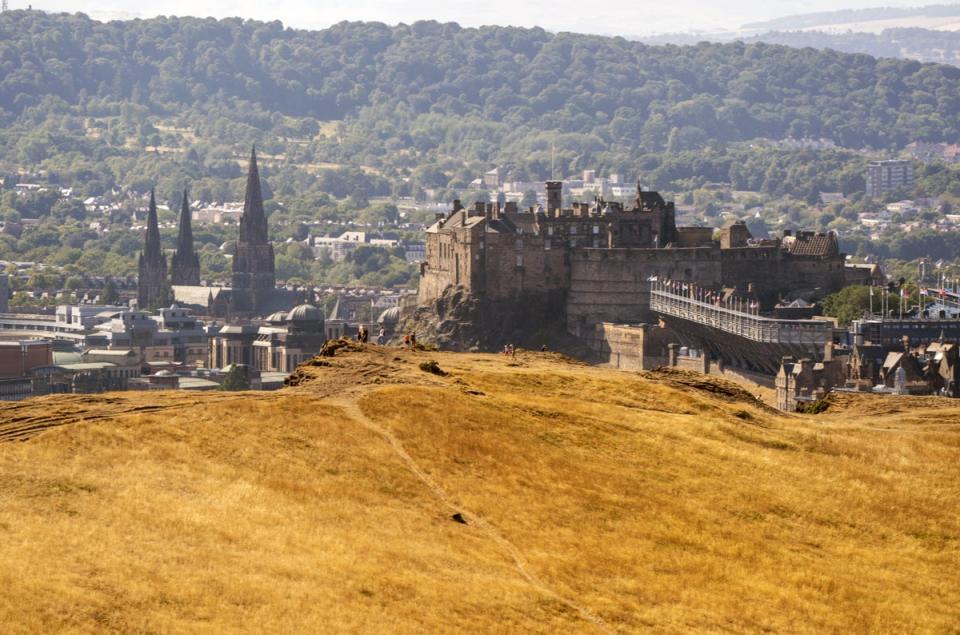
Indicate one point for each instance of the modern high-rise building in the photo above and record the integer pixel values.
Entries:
(886, 176)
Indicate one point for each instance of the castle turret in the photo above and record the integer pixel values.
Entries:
(253, 260)
(185, 265)
(554, 197)
(152, 289)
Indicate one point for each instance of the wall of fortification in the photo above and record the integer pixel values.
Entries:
(612, 285)
(813, 273)
(519, 265)
(760, 266)
(629, 346)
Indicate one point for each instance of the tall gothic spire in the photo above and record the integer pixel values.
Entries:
(151, 246)
(253, 260)
(185, 266)
(152, 289)
(253, 224)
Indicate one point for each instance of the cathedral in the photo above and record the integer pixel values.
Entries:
(253, 292)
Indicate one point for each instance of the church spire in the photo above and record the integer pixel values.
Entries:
(151, 246)
(185, 267)
(254, 278)
(253, 223)
(152, 289)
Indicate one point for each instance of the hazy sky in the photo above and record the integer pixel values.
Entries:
(626, 17)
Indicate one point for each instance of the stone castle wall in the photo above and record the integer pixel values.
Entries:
(613, 285)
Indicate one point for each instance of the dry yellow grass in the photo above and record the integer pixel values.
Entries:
(594, 499)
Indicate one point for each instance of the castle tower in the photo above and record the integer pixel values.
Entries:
(185, 265)
(554, 197)
(152, 289)
(253, 261)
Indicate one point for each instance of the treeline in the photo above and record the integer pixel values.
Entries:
(906, 246)
(427, 85)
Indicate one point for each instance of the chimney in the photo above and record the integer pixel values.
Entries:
(457, 205)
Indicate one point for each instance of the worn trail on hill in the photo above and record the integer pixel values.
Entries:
(353, 410)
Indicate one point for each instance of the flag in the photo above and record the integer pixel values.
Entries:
(871, 292)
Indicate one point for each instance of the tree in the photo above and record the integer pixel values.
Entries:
(848, 304)
(110, 295)
(237, 378)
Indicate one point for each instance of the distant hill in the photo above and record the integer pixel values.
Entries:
(849, 16)
(925, 45)
(466, 93)
(530, 494)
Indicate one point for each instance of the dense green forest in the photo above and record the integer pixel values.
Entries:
(468, 92)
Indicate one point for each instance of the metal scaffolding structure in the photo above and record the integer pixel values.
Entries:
(736, 333)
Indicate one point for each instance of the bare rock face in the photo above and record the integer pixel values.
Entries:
(462, 322)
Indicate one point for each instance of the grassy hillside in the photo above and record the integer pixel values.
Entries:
(592, 500)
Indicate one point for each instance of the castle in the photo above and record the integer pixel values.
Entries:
(253, 291)
(515, 271)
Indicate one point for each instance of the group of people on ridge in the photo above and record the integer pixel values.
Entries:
(363, 336)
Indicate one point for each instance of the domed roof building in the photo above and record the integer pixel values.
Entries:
(289, 339)
(304, 314)
(277, 319)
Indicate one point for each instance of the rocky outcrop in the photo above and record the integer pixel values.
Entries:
(462, 322)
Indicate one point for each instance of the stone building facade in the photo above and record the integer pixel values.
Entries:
(285, 340)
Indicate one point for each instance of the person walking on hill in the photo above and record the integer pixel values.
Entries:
(382, 336)
(406, 340)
